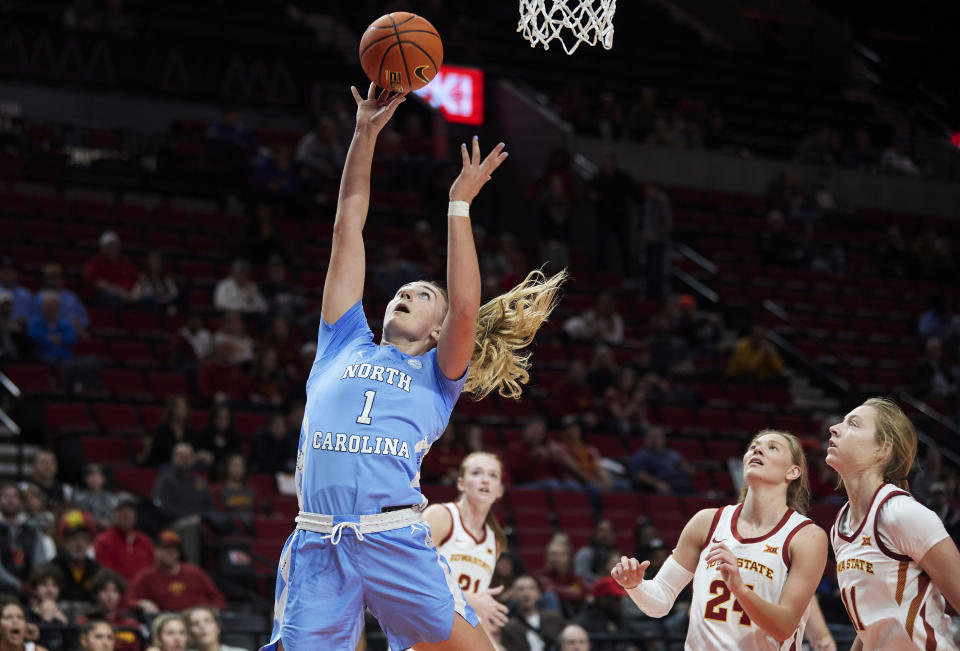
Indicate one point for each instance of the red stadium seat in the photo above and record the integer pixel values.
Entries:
(609, 445)
(125, 383)
(136, 480)
(264, 485)
(438, 493)
(678, 418)
(133, 353)
(116, 417)
(247, 423)
(722, 449)
(753, 421)
(272, 528)
(166, 384)
(571, 502)
(622, 508)
(690, 448)
(151, 416)
(105, 449)
(31, 378)
(142, 323)
(716, 420)
(284, 506)
(67, 417)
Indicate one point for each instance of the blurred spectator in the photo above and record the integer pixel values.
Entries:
(392, 270)
(529, 628)
(45, 471)
(644, 534)
(603, 371)
(321, 154)
(98, 635)
(283, 296)
(53, 337)
(219, 377)
(228, 130)
(171, 584)
(174, 429)
(270, 383)
(574, 638)
(604, 613)
(274, 448)
(238, 292)
(123, 548)
(558, 579)
(233, 333)
(755, 357)
(506, 570)
(287, 341)
(155, 285)
(94, 498)
(168, 633)
(232, 495)
(656, 467)
(56, 628)
(37, 509)
(194, 342)
(12, 331)
(23, 300)
(108, 587)
(699, 331)
(261, 241)
(204, 629)
(819, 148)
(861, 155)
(895, 160)
(931, 255)
(183, 498)
(590, 559)
(667, 350)
(273, 171)
(71, 307)
(218, 439)
(931, 377)
(76, 531)
(643, 113)
(927, 475)
(599, 324)
(13, 628)
(625, 403)
(939, 502)
(657, 229)
(778, 246)
(21, 545)
(894, 257)
(826, 256)
(531, 460)
(554, 217)
(112, 276)
(573, 395)
(609, 116)
(442, 465)
(664, 134)
(934, 321)
(613, 195)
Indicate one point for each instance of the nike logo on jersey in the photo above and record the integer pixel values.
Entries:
(385, 374)
(717, 541)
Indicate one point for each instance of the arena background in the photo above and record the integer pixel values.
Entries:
(786, 168)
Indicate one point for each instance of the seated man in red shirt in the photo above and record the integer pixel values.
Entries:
(171, 585)
(122, 548)
(112, 276)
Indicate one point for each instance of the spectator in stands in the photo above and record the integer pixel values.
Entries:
(604, 613)
(110, 274)
(590, 559)
(274, 448)
(232, 495)
(12, 332)
(76, 531)
(625, 403)
(233, 333)
(939, 502)
(218, 377)
(931, 255)
(23, 300)
(37, 509)
(123, 548)
(108, 588)
(819, 148)
(53, 337)
(778, 246)
(573, 395)
(320, 155)
(754, 357)
(558, 579)
(169, 633)
(287, 342)
(45, 471)
(574, 638)
(71, 307)
(644, 534)
(157, 287)
(667, 351)
(934, 322)
(174, 429)
(184, 498)
(895, 160)
(529, 628)
(194, 343)
(13, 628)
(21, 545)
(230, 131)
(238, 292)
(204, 629)
(531, 461)
(507, 568)
(613, 195)
(603, 371)
(218, 439)
(270, 382)
(274, 173)
(284, 297)
(98, 635)
(599, 324)
(94, 498)
(928, 474)
(658, 468)
(554, 222)
(700, 332)
(56, 629)
(171, 585)
(261, 241)
(931, 376)
(657, 231)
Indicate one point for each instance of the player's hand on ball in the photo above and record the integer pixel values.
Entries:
(727, 564)
(629, 572)
(376, 110)
(475, 173)
(488, 609)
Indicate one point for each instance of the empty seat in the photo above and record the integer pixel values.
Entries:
(139, 481)
(31, 378)
(124, 383)
(67, 416)
(247, 423)
(116, 417)
(166, 384)
(133, 353)
(271, 528)
(437, 493)
(105, 449)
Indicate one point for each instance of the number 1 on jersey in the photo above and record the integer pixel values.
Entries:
(364, 417)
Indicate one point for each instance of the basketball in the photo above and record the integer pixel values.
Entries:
(401, 52)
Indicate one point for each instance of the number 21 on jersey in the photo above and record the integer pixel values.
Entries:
(465, 582)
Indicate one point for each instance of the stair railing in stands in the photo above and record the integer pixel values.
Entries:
(682, 250)
(13, 390)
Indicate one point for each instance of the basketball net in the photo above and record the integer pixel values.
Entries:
(572, 22)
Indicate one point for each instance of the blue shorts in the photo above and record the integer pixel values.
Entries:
(399, 575)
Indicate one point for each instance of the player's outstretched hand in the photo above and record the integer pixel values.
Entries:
(376, 110)
(488, 609)
(629, 572)
(727, 564)
(475, 173)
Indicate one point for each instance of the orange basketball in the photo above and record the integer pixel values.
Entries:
(401, 52)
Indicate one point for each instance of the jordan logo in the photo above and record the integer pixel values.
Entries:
(866, 542)
(770, 549)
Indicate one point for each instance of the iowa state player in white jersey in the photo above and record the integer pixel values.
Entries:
(469, 536)
(895, 561)
(755, 565)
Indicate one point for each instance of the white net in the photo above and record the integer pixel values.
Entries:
(572, 22)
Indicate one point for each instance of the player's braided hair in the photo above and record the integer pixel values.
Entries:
(505, 326)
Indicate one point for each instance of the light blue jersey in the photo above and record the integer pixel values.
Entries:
(372, 413)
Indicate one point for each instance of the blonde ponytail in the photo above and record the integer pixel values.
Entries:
(506, 325)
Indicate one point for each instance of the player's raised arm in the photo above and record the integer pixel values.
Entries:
(458, 333)
(344, 283)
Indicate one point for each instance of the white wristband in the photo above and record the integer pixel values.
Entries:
(459, 209)
(655, 596)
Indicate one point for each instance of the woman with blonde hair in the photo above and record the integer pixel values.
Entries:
(754, 565)
(168, 633)
(895, 560)
(373, 410)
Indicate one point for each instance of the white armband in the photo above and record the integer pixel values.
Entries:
(656, 596)
(459, 209)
